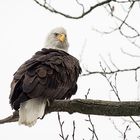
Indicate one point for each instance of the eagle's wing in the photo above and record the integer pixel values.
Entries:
(50, 74)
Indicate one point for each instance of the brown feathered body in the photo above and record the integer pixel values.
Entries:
(50, 74)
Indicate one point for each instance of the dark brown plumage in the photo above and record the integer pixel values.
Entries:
(50, 74)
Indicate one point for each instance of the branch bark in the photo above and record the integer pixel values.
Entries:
(88, 106)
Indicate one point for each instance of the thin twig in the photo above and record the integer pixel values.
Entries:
(124, 134)
(73, 134)
(113, 87)
(115, 66)
(110, 72)
(116, 128)
(61, 123)
(92, 129)
(86, 96)
(135, 122)
(83, 8)
(126, 53)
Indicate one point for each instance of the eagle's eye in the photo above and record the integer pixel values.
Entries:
(56, 34)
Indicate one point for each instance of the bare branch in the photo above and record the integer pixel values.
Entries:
(115, 66)
(84, 13)
(123, 22)
(104, 63)
(73, 134)
(61, 123)
(111, 72)
(135, 122)
(88, 106)
(86, 96)
(113, 87)
(124, 134)
(92, 129)
(12, 118)
(126, 1)
(116, 128)
(83, 8)
(126, 53)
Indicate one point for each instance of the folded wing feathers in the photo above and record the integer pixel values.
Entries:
(50, 74)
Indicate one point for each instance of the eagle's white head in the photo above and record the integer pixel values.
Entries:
(57, 39)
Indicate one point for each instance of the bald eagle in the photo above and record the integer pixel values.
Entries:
(50, 74)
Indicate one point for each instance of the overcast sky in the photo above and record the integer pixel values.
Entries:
(23, 29)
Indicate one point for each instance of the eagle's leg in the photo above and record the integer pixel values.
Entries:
(47, 105)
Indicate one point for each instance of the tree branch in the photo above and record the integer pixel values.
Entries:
(88, 106)
(111, 71)
(84, 13)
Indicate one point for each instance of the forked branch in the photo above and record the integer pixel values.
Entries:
(84, 13)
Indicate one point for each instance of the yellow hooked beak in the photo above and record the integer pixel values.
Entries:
(61, 37)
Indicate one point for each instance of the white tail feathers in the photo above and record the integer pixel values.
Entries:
(31, 110)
